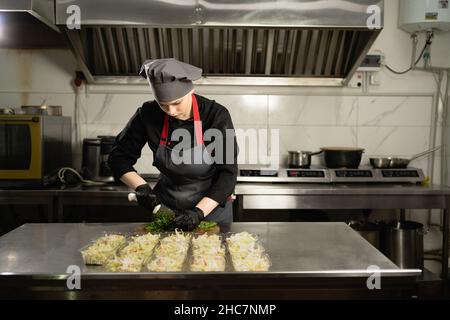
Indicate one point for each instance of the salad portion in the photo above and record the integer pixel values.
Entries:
(131, 257)
(208, 253)
(102, 249)
(171, 253)
(246, 253)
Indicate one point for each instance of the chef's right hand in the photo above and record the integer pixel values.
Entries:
(146, 198)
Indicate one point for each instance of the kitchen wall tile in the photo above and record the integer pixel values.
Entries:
(395, 111)
(48, 70)
(401, 141)
(249, 139)
(244, 109)
(113, 108)
(94, 130)
(311, 138)
(313, 110)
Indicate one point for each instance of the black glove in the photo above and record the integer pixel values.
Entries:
(146, 198)
(189, 219)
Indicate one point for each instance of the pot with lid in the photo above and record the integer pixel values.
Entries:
(336, 157)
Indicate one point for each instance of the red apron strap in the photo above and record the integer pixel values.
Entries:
(165, 131)
(197, 122)
(197, 125)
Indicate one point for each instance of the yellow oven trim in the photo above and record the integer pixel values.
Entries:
(35, 169)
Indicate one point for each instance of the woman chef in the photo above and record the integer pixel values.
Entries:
(195, 190)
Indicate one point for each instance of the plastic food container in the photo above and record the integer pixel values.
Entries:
(246, 252)
(100, 250)
(131, 257)
(171, 253)
(251, 262)
(208, 254)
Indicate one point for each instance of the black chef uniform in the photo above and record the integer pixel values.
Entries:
(180, 186)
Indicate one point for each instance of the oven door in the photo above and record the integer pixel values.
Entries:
(20, 147)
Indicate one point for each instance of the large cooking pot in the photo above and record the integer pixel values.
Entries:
(368, 230)
(342, 157)
(300, 159)
(403, 244)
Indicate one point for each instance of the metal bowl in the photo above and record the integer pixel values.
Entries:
(380, 163)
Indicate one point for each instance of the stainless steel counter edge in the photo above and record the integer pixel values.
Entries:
(258, 189)
(215, 275)
(338, 189)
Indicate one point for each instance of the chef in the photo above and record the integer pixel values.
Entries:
(195, 189)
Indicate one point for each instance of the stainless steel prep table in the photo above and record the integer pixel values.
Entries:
(308, 260)
(277, 196)
(347, 196)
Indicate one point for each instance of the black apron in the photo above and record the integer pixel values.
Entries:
(182, 186)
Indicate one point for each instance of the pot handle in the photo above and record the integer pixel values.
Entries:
(316, 153)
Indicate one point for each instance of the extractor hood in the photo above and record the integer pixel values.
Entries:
(284, 42)
(29, 24)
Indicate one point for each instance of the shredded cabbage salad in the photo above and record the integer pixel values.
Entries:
(131, 258)
(102, 249)
(171, 253)
(208, 253)
(246, 253)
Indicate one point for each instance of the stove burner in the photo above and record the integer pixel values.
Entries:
(305, 174)
(354, 174)
(323, 175)
(258, 173)
(400, 173)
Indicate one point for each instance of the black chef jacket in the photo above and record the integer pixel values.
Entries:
(145, 127)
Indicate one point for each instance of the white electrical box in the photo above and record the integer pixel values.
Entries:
(423, 15)
(356, 81)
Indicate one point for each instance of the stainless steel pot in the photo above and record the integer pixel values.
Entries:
(403, 244)
(336, 157)
(369, 231)
(300, 159)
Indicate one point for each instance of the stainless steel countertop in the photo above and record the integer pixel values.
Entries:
(296, 250)
(254, 189)
(338, 189)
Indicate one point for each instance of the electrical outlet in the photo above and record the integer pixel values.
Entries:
(357, 80)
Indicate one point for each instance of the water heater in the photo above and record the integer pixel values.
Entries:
(422, 15)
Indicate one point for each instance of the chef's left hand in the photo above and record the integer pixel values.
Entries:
(189, 219)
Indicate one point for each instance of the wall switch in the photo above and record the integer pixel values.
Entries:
(374, 79)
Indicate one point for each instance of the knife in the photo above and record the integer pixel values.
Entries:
(133, 198)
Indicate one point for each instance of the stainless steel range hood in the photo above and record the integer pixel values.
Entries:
(29, 24)
(290, 42)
